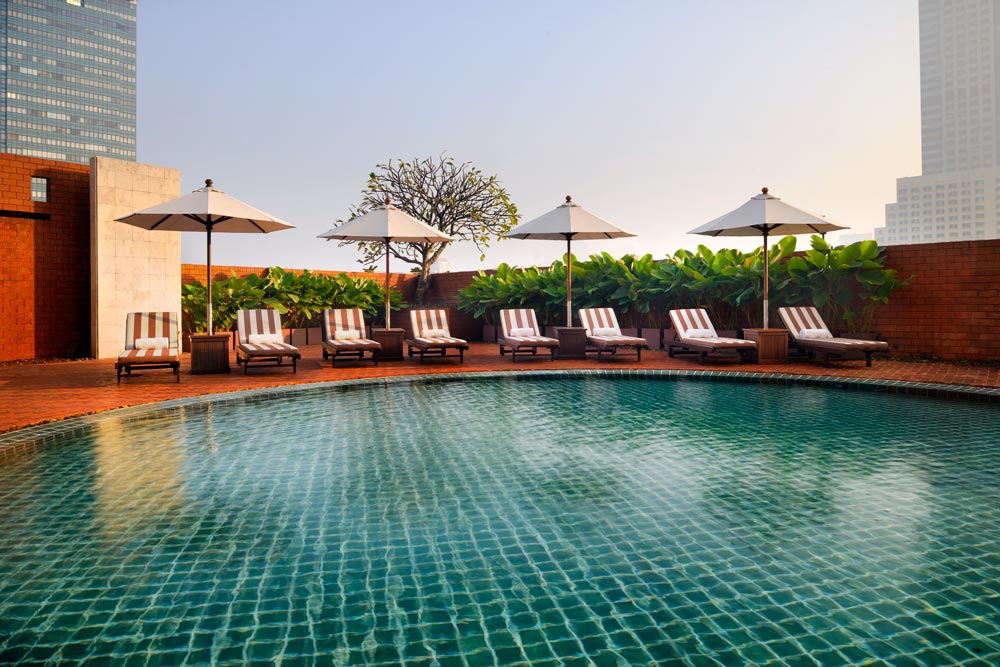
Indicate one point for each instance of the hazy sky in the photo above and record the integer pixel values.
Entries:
(658, 115)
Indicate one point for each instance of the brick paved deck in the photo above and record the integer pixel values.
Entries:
(38, 393)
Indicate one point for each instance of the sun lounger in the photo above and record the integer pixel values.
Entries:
(810, 334)
(431, 334)
(344, 335)
(151, 341)
(259, 340)
(604, 334)
(694, 333)
(519, 332)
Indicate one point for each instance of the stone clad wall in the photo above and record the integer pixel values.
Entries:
(132, 269)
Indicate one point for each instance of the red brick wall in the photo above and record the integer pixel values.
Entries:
(951, 309)
(45, 265)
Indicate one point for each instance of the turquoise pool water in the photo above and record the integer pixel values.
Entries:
(501, 522)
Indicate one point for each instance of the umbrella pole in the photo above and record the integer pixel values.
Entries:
(569, 284)
(387, 283)
(208, 278)
(767, 263)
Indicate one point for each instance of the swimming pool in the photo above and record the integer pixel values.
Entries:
(562, 521)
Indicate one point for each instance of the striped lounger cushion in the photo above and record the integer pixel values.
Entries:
(344, 334)
(431, 333)
(519, 330)
(251, 327)
(151, 340)
(695, 332)
(604, 333)
(803, 322)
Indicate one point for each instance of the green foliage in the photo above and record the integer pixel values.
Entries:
(846, 283)
(300, 298)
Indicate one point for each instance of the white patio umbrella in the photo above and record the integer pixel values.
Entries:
(206, 210)
(386, 224)
(763, 214)
(568, 221)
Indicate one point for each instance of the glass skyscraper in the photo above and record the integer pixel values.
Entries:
(957, 197)
(67, 85)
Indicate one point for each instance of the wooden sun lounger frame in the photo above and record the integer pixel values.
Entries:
(354, 319)
(514, 318)
(270, 322)
(825, 349)
(590, 317)
(150, 325)
(423, 319)
(703, 346)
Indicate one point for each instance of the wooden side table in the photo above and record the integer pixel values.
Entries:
(392, 343)
(572, 342)
(209, 354)
(772, 344)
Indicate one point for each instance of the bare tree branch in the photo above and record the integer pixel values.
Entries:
(456, 199)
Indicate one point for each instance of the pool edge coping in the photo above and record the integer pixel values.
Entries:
(19, 441)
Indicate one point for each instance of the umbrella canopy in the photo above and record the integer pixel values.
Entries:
(567, 222)
(760, 216)
(386, 224)
(206, 210)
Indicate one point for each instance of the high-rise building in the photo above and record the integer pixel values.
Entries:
(957, 197)
(67, 79)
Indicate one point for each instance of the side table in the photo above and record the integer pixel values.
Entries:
(772, 344)
(209, 353)
(572, 342)
(392, 343)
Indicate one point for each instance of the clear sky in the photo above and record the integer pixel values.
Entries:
(656, 115)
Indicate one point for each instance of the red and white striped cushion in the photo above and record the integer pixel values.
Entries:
(797, 318)
(430, 319)
(265, 321)
(519, 318)
(687, 319)
(599, 318)
(151, 325)
(343, 319)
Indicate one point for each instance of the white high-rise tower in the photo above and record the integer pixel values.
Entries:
(958, 194)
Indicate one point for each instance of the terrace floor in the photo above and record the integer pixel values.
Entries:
(37, 393)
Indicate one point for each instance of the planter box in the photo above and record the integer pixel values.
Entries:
(305, 336)
(490, 333)
(186, 340)
(653, 336)
(630, 331)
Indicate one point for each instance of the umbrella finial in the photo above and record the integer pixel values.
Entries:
(388, 200)
(763, 190)
(569, 199)
(208, 182)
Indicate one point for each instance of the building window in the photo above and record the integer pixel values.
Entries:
(78, 3)
(39, 189)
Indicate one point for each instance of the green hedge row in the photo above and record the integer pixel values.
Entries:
(300, 298)
(846, 283)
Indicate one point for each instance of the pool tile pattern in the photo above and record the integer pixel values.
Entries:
(570, 521)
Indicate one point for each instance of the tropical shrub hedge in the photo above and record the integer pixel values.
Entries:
(299, 297)
(846, 283)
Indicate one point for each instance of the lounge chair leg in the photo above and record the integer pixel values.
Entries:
(638, 354)
(868, 359)
(461, 356)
